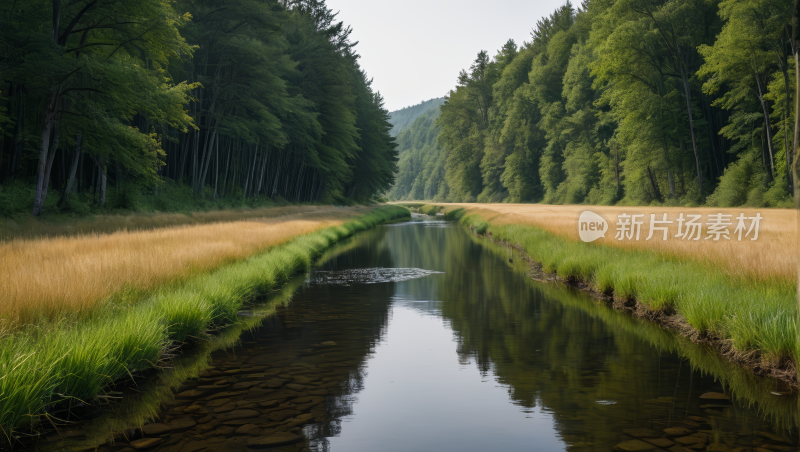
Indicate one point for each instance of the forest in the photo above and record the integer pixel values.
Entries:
(405, 117)
(628, 102)
(164, 103)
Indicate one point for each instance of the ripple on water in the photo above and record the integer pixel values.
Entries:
(426, 221)
(369, 275)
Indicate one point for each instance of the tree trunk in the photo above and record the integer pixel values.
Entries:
(688, 95)
(194, 157)
(656, 191)
(263, 169)
(299, 184)
(227, 167)
(182, 163)
(63, 167)
(80, 175)
(670, 179)
(206, 161)
(216, 166)
(277, 176)
(72, 171)
(708, 113)
(95, 172)
(250, 171)
(196, 150)
(49, 116)
(100, 162)
(786, 114)
(50, 158)
(768, 128)
(103, 180)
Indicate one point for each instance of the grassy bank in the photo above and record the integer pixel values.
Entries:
(744, 387)
(72, 360)
(771, 258)
(753, 321)
(47, 277)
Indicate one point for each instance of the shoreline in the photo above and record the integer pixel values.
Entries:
(783, 370)
(79, 359)
(675, 322)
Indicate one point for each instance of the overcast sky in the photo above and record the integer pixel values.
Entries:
(414, 49)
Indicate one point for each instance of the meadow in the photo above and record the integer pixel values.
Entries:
(772, 257)
(740, 296)
(47, 277)
(69, 358)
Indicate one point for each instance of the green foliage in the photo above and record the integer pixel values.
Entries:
(746, 184)
(430, 209)
(254, 99)
(403, 119)
(455, 214)
(421, 167)
(626, 102)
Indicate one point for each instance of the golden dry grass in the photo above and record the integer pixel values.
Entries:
(52, 276)
(773, 257)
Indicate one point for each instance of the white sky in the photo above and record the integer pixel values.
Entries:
(414, 49)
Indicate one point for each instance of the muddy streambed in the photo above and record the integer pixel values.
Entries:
(422, 337)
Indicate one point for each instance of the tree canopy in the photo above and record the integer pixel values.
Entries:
(241, 98)
(675, 102)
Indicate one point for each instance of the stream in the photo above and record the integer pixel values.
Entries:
(421, 336)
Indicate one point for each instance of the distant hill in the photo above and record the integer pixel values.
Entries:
(420, 171)
(403, 118)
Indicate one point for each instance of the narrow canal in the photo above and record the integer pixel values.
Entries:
(423, 337)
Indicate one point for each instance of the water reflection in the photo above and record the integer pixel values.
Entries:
(368, 275)
(597, 371)
(479, 357)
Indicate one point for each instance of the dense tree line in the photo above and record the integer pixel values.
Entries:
(421, 173)
(625, 101)
(405, 117)
(234, 99)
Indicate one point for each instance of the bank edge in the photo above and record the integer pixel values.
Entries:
(753, 323)
(43, 367)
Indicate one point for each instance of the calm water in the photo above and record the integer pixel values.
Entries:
(460, 350)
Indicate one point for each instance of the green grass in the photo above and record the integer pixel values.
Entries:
(430, 209)
(455, 214)
(413, 205)
(753, 315)
(42, 366)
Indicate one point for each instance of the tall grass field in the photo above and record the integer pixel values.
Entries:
(752, 313)
(47, 277)
(47, 363)
(772, 257)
